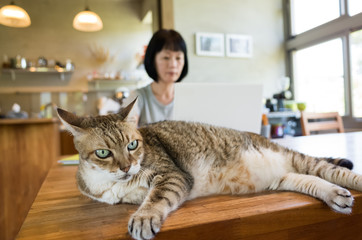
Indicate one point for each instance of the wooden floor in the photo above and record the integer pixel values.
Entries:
(61, 212)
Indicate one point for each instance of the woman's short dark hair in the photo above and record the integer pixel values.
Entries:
(164, 39)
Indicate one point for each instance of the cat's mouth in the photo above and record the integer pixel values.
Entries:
(126, 177)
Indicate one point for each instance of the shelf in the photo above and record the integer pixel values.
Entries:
(37, 89)
(13, 72)
(109, 84)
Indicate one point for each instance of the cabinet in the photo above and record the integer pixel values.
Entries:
(30, 147)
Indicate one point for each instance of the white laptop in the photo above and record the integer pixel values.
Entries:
(231, 105)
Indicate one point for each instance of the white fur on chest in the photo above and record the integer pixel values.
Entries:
(106, 187)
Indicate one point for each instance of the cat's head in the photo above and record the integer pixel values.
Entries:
(109, 144)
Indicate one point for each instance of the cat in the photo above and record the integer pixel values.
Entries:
(161, 165)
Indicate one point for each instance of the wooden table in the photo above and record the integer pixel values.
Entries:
(28, 149)
(61, 212)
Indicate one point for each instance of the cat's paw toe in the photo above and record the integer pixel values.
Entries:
(144, 226)
(342, 201)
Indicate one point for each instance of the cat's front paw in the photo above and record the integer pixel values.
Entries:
(144, 224)
(341, 200)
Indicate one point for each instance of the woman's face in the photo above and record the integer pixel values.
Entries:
(169, 65)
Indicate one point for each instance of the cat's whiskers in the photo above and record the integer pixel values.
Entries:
(146, 175)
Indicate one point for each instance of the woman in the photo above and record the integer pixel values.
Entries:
(166, 63)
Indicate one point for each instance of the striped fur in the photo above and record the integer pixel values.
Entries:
(177, 161)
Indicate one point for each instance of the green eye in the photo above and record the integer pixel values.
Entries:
(103, 153)
(133, 145)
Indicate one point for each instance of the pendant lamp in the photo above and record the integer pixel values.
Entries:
(14, 16)
(87, 21)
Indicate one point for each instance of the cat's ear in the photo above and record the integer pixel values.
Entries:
(125, 112)
(70, 121)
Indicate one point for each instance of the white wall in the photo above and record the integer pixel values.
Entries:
(51, 35)
(262, 19)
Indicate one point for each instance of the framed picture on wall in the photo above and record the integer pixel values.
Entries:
(210, 44)
(239, 46)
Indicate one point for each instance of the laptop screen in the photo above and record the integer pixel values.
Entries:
(231, 105)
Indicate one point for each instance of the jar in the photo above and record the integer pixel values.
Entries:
(277, 130)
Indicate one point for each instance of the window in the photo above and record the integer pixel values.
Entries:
(356, 72)
(307, 14)
(354, 7)
(318, 77)
(324, 49)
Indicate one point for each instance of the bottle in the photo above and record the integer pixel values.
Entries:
(23, 63)
(69, 65)
(6, 62)
(18, 61)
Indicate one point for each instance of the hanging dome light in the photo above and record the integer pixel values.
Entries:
(87, 21)
(14, 16)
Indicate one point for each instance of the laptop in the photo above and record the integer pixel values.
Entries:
(231, 105)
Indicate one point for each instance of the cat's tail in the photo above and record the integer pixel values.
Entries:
(335, 170)
(315, 165)
(340, 162)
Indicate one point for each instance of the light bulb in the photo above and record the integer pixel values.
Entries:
(14, 16)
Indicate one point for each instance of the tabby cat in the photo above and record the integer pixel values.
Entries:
(164, 164)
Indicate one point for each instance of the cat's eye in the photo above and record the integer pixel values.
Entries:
(133, 145)
(103, 153)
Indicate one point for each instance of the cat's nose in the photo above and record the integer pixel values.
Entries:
(126, 169)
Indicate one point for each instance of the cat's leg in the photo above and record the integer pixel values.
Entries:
(338, 198)
(167, 193)
(136, 196)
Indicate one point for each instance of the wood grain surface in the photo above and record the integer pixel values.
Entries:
(61, 212)
(28, 150)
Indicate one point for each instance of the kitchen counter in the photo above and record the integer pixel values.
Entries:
(29, 147)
